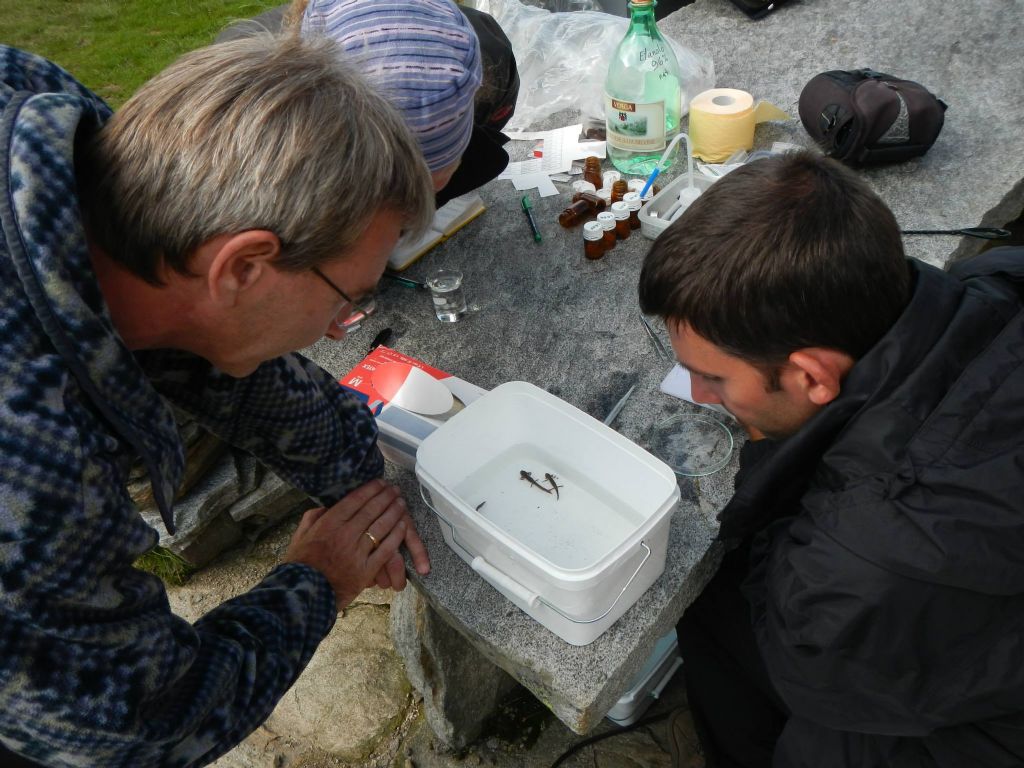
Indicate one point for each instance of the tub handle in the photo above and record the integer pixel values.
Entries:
(503, 580)
(531, 598)
(446, 521)
(614, 602)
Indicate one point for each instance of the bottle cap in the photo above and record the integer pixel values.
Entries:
(583, 186)
(632, 199)
(610, 177)
(636, 185)
(592, 230)
(606, 219)
(620, 210)
(605, 194)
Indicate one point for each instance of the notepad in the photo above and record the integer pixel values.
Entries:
(448, 219)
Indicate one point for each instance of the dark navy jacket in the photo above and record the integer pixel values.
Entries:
(887, 582)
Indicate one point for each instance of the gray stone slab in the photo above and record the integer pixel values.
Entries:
(546, 315)
(968, 54)
(460, 687)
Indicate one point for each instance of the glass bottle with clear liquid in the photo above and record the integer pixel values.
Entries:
(641, 94)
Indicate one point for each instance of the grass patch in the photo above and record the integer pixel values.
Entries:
(166, 565)
(113, 46)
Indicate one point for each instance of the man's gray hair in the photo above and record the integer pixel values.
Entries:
(268, 132)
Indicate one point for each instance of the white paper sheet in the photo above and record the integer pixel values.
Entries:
(677, 383)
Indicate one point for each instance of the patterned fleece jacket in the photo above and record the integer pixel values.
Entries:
(95, 670)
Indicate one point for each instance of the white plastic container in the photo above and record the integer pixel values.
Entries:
(577, 561)
(649, 682)
(651, 226)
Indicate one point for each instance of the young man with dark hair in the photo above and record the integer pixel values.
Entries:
(871, 610)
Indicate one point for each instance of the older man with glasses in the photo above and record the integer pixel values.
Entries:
(179, 251)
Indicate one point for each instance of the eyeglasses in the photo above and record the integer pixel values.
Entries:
(360, 310)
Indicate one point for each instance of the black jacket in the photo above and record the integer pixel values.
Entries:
(887, 581)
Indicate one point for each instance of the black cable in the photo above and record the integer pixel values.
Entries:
(984, 233)
(601, 737)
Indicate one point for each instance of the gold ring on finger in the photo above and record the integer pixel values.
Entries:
(372, 538)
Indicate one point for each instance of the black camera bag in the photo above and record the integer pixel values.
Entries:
(757, 9)
(865, 117)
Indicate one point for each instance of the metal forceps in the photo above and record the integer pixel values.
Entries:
(657, 341)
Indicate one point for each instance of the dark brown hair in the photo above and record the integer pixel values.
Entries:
(784, 253)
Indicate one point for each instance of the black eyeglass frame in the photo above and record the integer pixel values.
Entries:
(362, 310)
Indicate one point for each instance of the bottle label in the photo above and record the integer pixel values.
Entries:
(634, 125)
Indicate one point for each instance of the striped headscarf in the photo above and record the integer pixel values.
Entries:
(422, 54)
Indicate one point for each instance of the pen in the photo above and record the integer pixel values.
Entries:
(408, 282)
(381, 338)
(528, 210)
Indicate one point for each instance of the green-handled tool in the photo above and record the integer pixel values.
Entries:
(528, 209)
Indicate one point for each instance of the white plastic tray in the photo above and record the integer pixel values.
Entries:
(652, 226)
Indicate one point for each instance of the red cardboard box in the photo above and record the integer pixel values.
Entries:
(409, 398)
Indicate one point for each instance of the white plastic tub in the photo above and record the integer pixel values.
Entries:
(575, 562)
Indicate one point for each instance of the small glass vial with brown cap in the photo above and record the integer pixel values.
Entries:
(583, 204)
(607, 221)
(619, 189)
(593, 240)
(632, 200)
(592, 171)
(596, 201)
(621, 213)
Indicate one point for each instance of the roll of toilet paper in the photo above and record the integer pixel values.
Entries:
(722, 121)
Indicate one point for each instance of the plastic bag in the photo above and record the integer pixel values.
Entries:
(563, 59)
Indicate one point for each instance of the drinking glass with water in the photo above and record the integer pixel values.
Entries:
(446, 291)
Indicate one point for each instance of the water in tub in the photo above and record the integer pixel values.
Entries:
(572, 530)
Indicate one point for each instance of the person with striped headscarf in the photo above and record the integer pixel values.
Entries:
(450, 72)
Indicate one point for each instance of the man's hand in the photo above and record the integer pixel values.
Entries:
(355, 542)
(393, 574)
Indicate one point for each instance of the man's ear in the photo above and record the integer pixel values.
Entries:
(237, 263)
(820, 372)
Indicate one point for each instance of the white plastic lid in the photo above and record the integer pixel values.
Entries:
(637, 185)
(605, 194)
(620, 210)
(606, 219)
(583, 186)
(592, 230)
(632, 199)
(610, 177)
